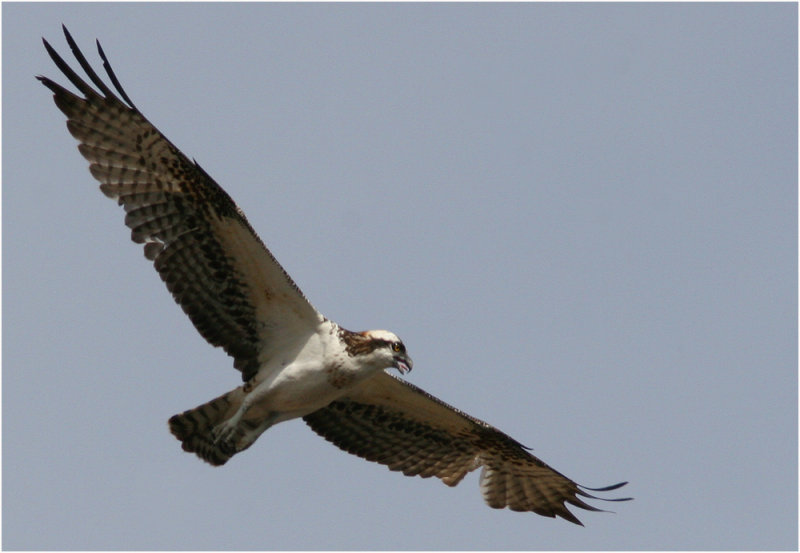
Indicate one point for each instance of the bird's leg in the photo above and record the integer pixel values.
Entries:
(228, 434)
(225, 431)
(236, 434)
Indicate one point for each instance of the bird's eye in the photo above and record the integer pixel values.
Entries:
(397, 347)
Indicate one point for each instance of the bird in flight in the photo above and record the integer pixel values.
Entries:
(294, 362)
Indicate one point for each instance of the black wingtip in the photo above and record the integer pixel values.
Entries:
(607, 488)
(87, 68)
(113, 76)
(50, 50)
(71, 41)
(612, 487)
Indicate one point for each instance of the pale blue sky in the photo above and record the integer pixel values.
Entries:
(581, 219)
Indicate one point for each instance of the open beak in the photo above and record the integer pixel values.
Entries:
(403, 363)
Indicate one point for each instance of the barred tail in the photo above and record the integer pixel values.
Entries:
(194, 427)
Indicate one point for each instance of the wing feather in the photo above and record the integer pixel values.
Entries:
(217, 269)
(392, 422)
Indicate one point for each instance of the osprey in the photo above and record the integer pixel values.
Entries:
(294, 361)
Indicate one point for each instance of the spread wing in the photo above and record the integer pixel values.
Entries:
(392, 422)
(216, 267)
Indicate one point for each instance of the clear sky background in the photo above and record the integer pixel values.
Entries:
(581, 219)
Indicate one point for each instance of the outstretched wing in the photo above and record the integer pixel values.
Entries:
(392, 422)
(218, 270)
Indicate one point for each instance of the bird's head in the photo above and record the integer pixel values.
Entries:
(387, 350)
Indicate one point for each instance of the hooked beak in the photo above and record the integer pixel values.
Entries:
(403, 363)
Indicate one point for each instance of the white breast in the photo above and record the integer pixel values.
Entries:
(320, 372)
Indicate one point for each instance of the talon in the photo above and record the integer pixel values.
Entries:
(223, 433)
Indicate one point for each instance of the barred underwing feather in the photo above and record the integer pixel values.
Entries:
(108, 157)
(392, 422)
(204, 249)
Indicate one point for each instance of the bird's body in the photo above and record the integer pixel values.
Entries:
(294, 361)
(310, 375)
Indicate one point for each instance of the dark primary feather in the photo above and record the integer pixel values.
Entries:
(202, 246)
(397, 424)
